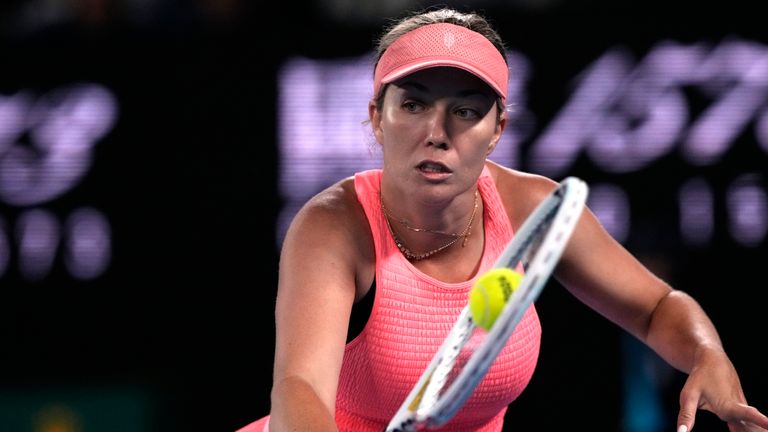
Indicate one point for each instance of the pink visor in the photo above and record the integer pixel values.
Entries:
(442, 44)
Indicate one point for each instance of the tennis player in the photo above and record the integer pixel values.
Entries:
(409, 239)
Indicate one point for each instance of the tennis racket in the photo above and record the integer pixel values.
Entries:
(444, 386)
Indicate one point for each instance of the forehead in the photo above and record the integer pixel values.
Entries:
(445, 80)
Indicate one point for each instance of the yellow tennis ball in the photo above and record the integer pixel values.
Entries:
(490, 293)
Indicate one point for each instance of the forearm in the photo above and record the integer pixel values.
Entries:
(680, 330)
(297, 407)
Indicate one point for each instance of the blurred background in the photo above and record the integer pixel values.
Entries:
(152, 153)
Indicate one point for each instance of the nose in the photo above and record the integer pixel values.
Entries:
(438, 129)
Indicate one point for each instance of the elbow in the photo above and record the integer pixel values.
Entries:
(650, 322)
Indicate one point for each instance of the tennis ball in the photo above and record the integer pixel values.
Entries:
(490, 293)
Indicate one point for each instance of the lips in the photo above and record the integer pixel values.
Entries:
(432, 167)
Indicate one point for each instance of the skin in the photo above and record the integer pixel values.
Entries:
(446, 117)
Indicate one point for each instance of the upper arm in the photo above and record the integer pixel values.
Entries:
(603, 274)
(316, 290)
(594, 267)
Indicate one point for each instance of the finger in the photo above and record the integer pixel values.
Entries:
(743, 426)
(689, 403)
(747, 417)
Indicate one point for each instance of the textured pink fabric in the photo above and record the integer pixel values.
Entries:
(260, 425)
(411, 316)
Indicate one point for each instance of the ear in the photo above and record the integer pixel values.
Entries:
(498, 133)
(374, 116)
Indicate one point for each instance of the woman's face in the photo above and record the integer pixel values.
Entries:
(436, 127)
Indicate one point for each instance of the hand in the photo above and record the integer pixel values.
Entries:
(714, 385)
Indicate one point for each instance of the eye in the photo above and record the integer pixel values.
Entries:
(412, 106)
(467, 113)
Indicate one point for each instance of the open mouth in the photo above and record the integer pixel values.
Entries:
(433, 167)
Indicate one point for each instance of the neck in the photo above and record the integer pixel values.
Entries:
(426, 210)
(419, 242)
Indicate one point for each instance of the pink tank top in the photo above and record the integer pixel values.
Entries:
(412, 314)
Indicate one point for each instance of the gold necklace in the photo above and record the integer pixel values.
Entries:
(420, 256)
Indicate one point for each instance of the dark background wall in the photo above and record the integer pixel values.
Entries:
(177, 332)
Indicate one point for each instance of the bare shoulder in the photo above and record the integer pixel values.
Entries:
(334, 210)
(332, 222)
(520, 192)
(335, 201)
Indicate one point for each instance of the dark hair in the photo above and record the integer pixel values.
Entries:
(471, 20)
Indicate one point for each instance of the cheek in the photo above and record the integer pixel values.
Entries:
(484, 136)
(480, 155)
(399, 130)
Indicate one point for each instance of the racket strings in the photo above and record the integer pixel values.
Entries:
(537, 238)
(474, 341)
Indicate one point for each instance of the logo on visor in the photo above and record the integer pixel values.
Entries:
(449, 39)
